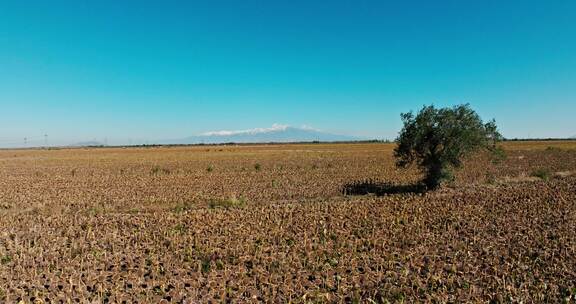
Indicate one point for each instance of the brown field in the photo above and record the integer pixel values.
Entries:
(270, 223)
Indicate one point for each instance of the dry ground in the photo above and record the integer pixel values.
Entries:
(269, 223)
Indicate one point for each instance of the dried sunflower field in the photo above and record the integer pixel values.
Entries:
(272, 223)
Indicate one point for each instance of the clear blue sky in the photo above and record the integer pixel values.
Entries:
(83, 70)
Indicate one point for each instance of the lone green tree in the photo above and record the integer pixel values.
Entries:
(437, 139)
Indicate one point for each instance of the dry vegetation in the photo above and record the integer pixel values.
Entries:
(270, 223)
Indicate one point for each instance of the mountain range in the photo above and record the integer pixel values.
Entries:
(277, 133)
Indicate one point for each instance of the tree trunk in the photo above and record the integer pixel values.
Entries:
(434, 176)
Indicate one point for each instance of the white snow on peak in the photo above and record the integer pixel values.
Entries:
(274, 128)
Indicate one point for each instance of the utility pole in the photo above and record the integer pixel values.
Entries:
(46, 140)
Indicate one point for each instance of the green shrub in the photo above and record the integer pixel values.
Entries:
(498, 155)
(552, 149)
(182, 207)
(5, 259)
(228, 203)
(206, 264)
(541, 173)
(274, 183)
(159, 170)
(491, 179)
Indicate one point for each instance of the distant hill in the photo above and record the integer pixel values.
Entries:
(277, 133)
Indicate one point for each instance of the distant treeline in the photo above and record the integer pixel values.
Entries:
(264, 143)
(254, 144)
(538, 139)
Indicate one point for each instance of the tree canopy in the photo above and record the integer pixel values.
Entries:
(437, 140)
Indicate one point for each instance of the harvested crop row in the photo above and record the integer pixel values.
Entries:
(141, 236)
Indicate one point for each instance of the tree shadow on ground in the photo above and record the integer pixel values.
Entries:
(379, 188)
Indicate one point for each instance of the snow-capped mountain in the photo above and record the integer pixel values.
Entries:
(276, 133)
